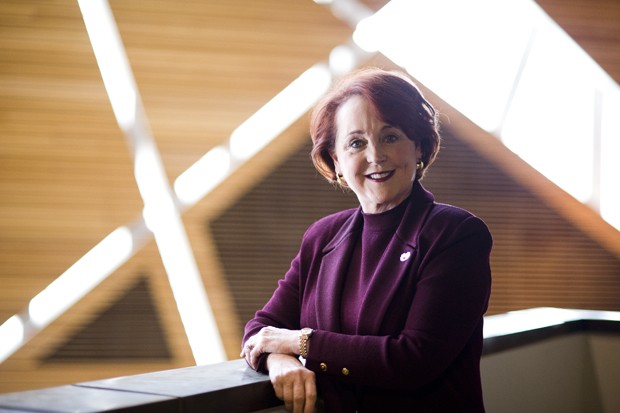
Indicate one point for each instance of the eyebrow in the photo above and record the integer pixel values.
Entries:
(361, 132)
(355, 132)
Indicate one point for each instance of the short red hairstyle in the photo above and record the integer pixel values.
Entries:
(397, 100)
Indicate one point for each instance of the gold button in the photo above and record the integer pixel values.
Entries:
(323, 367)
(345, 371)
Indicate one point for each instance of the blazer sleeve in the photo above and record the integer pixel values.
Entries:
(445, 314)
(281, 311)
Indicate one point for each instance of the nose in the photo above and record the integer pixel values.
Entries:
(375, 153)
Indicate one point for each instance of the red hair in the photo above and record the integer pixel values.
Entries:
(398, 102)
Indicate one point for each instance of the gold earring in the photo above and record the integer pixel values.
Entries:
(419, 165)
(339, 179)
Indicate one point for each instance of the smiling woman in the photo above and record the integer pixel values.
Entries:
(377, 135)
(383, 303)
(376, 160)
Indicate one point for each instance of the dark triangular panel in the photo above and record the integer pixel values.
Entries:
(129, 329)
(258, 236)
(539, 257)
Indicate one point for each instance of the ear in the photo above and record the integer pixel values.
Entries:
(418, 154)
(335, 159)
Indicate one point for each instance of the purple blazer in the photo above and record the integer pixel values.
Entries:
(420, 339)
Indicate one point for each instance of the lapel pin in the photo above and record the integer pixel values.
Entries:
(405, 256)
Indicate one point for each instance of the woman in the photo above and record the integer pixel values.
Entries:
(385, 302)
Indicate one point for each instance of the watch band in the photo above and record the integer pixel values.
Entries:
(304, 337)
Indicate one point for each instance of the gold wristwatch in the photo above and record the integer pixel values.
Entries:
(306, 333)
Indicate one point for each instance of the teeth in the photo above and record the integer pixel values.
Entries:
(379, 175)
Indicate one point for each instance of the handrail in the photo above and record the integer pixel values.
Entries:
(230, 386)
(233, 387)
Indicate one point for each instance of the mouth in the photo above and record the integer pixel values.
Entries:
(380, 176)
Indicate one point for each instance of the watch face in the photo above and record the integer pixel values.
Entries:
(306, 331)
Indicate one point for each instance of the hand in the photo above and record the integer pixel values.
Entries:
(270, 340)
(292, 382)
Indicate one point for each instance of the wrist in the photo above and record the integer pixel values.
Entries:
(304, 341)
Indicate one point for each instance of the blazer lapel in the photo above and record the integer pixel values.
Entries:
(333, 272)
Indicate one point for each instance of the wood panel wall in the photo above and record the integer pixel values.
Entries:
(202, 67)
(66, 175)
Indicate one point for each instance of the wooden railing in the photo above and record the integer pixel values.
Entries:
(233, 387)
(225, 387)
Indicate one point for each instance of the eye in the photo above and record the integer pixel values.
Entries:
(392, 138)
(356, 143)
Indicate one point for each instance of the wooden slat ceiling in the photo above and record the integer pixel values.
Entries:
(202, 67)
(66, 174)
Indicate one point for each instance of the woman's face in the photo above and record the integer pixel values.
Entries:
(377, 160)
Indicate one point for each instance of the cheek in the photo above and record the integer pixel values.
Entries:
(403, 158)
(348, 164)
(409, 157)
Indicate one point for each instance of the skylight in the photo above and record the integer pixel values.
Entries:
(510, 69)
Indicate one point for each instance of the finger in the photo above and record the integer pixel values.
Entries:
(310, 390)
(246, 347)
(287, 396)
(253, 358)
(299, 397)
(277, 388)
(255, 354)
(244, 353)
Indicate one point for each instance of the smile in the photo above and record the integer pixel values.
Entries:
(380, 176)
